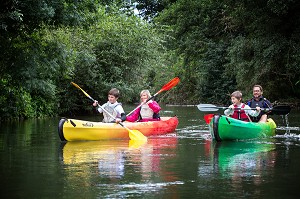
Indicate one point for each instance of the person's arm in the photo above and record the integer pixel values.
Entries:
(133, 116)
(123, 117)
(267, 103)
(98, 108)
(121, 114)
(253, 113)
(229, 111)
(154, 106)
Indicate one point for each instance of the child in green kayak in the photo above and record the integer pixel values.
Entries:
(239, 110)
(113, 107)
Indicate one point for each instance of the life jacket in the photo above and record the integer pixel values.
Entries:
(111, 109)
(240, 114)
(147, 113)
(262, 103)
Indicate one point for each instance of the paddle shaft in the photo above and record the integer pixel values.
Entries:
(102, 108)
(132, 133)
(114, 118)
(94, 101)
(224, 108)
(166, 87)
(142, 104)
(279, 110)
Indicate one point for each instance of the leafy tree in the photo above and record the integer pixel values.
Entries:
(199, 38)
(81, 41)
(266, 51)
(229, 45)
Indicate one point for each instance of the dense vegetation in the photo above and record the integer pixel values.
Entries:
(215, 47)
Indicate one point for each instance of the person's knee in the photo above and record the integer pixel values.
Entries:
(263, 118)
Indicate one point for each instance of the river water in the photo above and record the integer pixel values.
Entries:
(183, 164)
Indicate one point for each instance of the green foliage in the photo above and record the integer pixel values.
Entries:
(197, 32)
(96, 48)
(215, 47)
(267, 51)
(229, 45)
(15, 101)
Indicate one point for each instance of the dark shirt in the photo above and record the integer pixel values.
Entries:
(262, 103)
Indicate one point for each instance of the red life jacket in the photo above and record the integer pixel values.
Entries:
(240, 114)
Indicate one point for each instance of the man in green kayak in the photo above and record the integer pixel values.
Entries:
(259, 100)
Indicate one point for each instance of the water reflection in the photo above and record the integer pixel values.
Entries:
(236, 160)
(117, 158)
(185, 165)
(240, 164)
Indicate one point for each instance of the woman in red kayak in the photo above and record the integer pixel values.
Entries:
(147, 112)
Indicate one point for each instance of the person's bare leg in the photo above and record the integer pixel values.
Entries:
(263, 118)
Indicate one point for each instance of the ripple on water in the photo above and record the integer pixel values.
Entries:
(288, 135)
(134, 189)
(193, 131)
(289, 128)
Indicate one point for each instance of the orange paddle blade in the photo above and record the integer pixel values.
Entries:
(169, 85)
(208, 117)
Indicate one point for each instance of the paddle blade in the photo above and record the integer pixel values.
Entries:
(207, 108)
(280, 110)
(136, 143)
(208, 118)
(169, 85)
(74, 84)
(210, 107)
(136, 135)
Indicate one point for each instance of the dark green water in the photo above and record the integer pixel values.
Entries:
(185, 164)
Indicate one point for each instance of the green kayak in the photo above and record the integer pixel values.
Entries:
(222, 127)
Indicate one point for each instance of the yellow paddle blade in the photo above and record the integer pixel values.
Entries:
(85, 93)
(74, 84)
(136, 143)
(136, 135)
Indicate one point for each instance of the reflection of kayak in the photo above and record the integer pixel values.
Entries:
(242, 155)
(229, 149)
(227, 128)
(73, 129)
(85, 152)
(114, 158)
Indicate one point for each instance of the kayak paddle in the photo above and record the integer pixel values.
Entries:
(208, 117)
(133, 134)
(166, 87)
(277, 110)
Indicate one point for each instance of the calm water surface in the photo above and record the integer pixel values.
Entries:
(184, 164)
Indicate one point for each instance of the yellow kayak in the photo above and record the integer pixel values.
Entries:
(75, 130)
